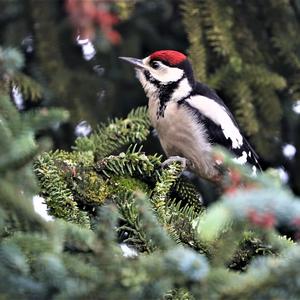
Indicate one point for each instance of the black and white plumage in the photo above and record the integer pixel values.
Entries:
(188, 116)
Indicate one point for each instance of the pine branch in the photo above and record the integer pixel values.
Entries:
(222, 77)
(191, 19)
(187, 193)
(11, 60)
(162, 189)
(151, 225)
(30, 89)
(133, 162)
(260, 76)
(267, 278)
(119, 132)
(216, 29)
(44, 118)
(58, 195)
(131, 224)
(242, 102)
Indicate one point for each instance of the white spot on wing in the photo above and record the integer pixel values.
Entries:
(242, 159)
(218, 114)
(254, 169)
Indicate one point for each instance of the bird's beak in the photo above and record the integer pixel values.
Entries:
(138, 63)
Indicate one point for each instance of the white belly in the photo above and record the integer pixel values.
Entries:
(181, 135)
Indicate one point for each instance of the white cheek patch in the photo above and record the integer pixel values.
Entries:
(218, 114)
(166, 74)
(149, 88)
(139, 75)
(182, 90)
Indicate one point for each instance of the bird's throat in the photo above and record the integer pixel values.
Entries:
(162, 92)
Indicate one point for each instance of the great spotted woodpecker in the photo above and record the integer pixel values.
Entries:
(189, 117)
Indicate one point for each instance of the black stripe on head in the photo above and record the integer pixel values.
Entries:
(188, 71)
(152, 79)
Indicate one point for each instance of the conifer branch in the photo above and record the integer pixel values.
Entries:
(119, 132)
(216, 30)
(30, 89)
(58, 195)
(133, 162)
(191, 19)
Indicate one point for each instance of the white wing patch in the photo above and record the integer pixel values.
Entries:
(254, 169)
(242, 159)
(218, 114)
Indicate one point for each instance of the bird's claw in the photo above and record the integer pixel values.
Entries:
(183, 161)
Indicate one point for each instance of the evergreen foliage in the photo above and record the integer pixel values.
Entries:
(243, 59)
(63, 260)
(133, 129)
(86, 178)
(107, 192)
(238, 48)
(197, 53)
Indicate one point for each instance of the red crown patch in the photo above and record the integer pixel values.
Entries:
(170, 56)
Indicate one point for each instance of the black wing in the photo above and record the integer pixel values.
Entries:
(215, 132)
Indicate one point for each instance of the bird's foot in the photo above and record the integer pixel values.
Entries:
(183, 161)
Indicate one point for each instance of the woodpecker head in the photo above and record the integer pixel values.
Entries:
(166, 71)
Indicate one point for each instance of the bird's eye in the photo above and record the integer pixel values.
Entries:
(154, 64)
